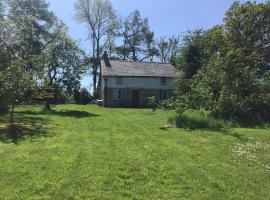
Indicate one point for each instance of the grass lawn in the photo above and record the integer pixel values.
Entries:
(89, 152)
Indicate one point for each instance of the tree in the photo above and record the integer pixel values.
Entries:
(23, 30)
(63, 64)
(167, 49)
(4, 55)
(134, 31)
(150, 50)
(17, 83)
(100, 18)
(28, 27)
(226, 68)
(82, 96)
(192, 53)
(163, 48)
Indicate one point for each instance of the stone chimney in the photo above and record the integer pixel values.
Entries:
(106, 59)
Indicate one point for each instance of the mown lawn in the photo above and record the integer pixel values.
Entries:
(89, 152)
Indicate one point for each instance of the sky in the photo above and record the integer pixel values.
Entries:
(166, 17)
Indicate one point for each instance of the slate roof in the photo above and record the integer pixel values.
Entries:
(139, 69)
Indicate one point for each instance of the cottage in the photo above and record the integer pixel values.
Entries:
(129, 84)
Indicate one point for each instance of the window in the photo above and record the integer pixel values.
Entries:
(119, 80)
(115, 94)
(163, 81)
(163, 95)
(120, 94)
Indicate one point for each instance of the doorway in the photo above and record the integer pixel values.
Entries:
(136, 98)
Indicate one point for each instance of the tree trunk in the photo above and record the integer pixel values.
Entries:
(125, 50)
(99, 82)
(11, 118)
(95, 80)
(97, 75)
(134, 54)
(48, 105)
(12, 128)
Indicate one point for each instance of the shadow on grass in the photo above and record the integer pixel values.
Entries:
(63, 113)
(198, 122)
(205, 123)
(25, 127)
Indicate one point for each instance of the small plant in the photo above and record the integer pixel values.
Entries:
(152, 103)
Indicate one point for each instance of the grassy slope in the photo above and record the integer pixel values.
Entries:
(99, 153)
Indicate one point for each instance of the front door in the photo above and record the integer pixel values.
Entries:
(136, 98)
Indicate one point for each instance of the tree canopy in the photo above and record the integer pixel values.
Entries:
(34, 44)
(226, 69)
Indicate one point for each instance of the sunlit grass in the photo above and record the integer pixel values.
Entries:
(89, 152)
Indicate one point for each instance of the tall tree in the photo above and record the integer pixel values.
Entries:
(163, 48)
(134, 30)
(100, 18)
(167, 48)
(26, 27)
(150, 50)
(63, 64)
(17, 84)
(4, 55)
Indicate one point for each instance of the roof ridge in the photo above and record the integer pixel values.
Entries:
(131, 61)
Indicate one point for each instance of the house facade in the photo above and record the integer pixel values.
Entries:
(129, 84)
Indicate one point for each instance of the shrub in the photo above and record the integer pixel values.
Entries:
(152, 103)
(82, 97)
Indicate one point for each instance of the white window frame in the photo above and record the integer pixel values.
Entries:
(116, 93)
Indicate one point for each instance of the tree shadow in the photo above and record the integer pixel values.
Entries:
(74, 113)
(194, 123)
(205, 123)
(25, 127)
(62, 113)
(234, 134)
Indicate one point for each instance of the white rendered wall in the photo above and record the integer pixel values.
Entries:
(140, 83)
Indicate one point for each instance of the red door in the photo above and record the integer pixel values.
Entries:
(136, 98)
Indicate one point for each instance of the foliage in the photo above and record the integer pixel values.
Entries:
(18, 84)
(36, 54)
(153, 103)
(225, 68)
(83, 96)
(194, 120)
(135, 32)
(168, 49)
(63, 63)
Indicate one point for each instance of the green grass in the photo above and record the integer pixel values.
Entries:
(89, 152)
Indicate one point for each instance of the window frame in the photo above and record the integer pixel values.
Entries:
(162, 95)
(119, 80)
(118, 92)
(163, 81)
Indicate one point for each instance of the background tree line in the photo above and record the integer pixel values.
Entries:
(225, 70)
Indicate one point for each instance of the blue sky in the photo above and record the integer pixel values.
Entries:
(166, 17)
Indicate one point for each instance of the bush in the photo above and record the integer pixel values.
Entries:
(82, 97)
(152, 103)
(198, 120)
